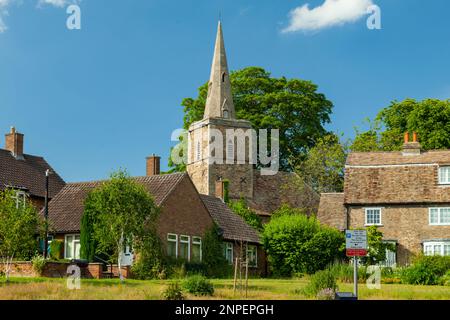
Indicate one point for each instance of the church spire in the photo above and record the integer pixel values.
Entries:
(219, 103)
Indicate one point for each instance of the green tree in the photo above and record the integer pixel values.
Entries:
(377, 248)
(291, 105)
(212, 253)
(430, 118)
(323, 168)
(241, 208)
(298, 244)
(123, 213)
(19, 225)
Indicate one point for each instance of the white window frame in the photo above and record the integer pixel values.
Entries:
(73, 245)
(380, 223)
(188, 241)
(20, 195)
(439, 216)
(229, 247)
(173, 240)
(432, 244)
(444, 175)
(198, 241)
(256, 254)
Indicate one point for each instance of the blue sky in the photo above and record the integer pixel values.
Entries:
(108, 95)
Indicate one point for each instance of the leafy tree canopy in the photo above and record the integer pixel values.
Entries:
(291, 105)
(323, 168)
(123, 213)
(19, 225)
(430, 118)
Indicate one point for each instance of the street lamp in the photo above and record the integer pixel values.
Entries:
(47, 173)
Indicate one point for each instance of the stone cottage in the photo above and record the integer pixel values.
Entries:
(405, 193)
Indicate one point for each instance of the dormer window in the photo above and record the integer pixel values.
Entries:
(444, 175)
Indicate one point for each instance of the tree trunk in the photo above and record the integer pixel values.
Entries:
(119, 256)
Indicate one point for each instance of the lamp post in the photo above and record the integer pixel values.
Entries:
(47, 173)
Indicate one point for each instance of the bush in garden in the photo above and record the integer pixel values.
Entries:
(173, 292)
(38, 263)
(298, 244)
(199, 286)
(445, 280)
(321, 283)
(56, 249)
(426, 270)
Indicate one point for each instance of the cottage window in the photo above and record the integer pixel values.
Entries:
(172, 245)
(252, 256)
(435, 248)
(72, 246)
(373, 216)
(20, 198)
(196, 249)
(439, 216)
(185, 242)
(228, 252)
(444, 175)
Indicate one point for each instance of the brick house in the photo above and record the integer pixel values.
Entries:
(405, 193)
(184, 218)
(26, 173)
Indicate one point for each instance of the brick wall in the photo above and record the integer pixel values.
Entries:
(52, 270)
(408, 225)
(183, 213)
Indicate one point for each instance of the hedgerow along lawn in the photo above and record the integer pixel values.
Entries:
(267, 289)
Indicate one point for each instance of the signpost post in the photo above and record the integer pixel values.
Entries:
(356, 246)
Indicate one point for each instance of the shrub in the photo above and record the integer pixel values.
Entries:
(38, 263)
(242, 209)
(426, 270)
(56, 249)
(298, 244)
(173, 292)
(326, 294)
(445, 279)
(321, 280)
(215, 264)
(199, 286)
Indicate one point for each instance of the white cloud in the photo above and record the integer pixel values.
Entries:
(330, 13)
(56, 3)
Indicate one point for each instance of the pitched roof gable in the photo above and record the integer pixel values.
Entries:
(28, 174)
(66, 209)
(233, 226)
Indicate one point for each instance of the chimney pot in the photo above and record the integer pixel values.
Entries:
(415, 139)
(406, 137)
(153, 165)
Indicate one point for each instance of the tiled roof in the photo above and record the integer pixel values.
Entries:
(331, 210)
(397, 158)
(66, 209)
(233, 226)
(28, 174)
(394, 178)
(272, 191)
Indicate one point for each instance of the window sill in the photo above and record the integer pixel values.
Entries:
(439, 224)
(371, 225)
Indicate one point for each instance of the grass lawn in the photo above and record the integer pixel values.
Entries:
(271, 289)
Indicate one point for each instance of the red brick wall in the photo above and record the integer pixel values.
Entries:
(183, 213)
(52, 270)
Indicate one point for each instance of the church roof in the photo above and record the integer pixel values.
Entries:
(219, 103)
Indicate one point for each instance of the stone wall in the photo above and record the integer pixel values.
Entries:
(408, 225)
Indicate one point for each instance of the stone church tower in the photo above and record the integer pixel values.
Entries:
(215, 154)
(209, 160)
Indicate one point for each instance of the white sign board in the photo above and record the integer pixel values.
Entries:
(356, 242)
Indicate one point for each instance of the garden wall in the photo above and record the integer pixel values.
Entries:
(53, 270)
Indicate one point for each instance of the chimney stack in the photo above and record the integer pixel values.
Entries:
(14, 143)
(153, 165)
(411, 148)
(220, 190)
